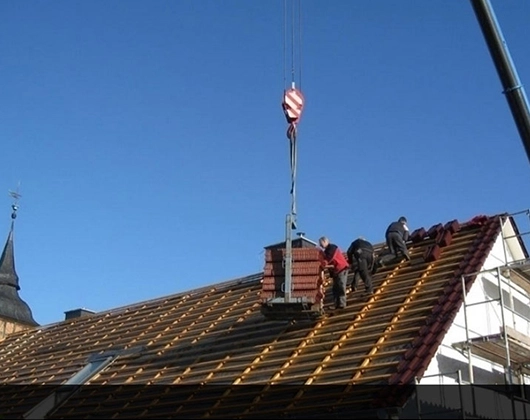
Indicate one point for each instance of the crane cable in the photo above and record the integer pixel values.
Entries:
(293, 100)
(294, 15)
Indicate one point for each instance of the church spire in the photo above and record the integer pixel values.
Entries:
(11, 305)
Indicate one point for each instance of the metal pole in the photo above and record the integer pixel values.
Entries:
(290, 222)
(462, 408)
(523, 393)
(503, 223)
(513, 90)
(288, 258)
(504, 332)
(469, 354)
(418, 402)
(512, 305)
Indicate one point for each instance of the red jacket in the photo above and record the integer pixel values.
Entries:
(333, 256)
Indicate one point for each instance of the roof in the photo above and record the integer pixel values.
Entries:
(227, 359)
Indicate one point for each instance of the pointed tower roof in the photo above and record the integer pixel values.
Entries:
(11, 305)
(8, 274)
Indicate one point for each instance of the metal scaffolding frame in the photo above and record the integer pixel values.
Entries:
(508, 348)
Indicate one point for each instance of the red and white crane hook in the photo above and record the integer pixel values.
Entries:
(293, 105)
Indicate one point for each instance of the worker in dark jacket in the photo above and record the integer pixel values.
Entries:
(338, 269)
(396, 235)
(361, 255)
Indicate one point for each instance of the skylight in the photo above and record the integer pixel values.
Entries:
(95, 364)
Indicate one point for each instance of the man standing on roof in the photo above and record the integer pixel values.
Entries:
(361, 254)
(338, 268)
(396, 235)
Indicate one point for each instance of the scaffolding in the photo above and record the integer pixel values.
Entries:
(509, 348)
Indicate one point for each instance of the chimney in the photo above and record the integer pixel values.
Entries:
(78, 313)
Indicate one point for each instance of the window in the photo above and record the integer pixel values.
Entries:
(95, 364)
(519, 307)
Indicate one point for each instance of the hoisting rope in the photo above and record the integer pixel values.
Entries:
(293, 100)
(292, 143)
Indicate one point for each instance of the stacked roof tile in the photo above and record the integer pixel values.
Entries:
(211, 353)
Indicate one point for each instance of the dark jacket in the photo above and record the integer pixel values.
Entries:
(356, 247)
(399, 228)
(334, 257)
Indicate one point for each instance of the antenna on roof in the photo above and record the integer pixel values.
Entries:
(16, 196)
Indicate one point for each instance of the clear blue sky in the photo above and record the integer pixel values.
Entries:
(150, 144)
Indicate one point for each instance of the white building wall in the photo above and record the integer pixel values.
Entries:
(483, 318)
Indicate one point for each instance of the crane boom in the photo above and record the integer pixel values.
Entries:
(513, 90)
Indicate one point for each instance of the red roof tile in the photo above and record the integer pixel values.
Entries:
(450, 301)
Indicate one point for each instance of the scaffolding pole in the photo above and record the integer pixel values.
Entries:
(468, 341)
(504, 330)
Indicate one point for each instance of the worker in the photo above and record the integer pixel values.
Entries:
(361, 256)
(396, 235)
(338, 269)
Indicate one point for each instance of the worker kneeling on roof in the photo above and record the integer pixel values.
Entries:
(396, 235)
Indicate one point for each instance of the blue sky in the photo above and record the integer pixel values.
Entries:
(150, 146)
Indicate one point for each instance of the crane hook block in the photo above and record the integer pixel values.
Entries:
(293, 103)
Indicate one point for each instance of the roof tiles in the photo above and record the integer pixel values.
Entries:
(210, 341)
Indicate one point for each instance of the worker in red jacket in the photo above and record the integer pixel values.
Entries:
(338, 268)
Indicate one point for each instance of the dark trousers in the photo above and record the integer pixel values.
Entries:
(339, 288)
(396, 244)
(365, 262)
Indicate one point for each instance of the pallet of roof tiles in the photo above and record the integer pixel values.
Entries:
(307, 266)
(297, 254)
(299, 268)
(300, 276)
(274, 286)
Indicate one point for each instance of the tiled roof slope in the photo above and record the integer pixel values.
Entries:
(217, 335)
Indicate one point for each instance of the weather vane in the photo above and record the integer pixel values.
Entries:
(16, 195)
